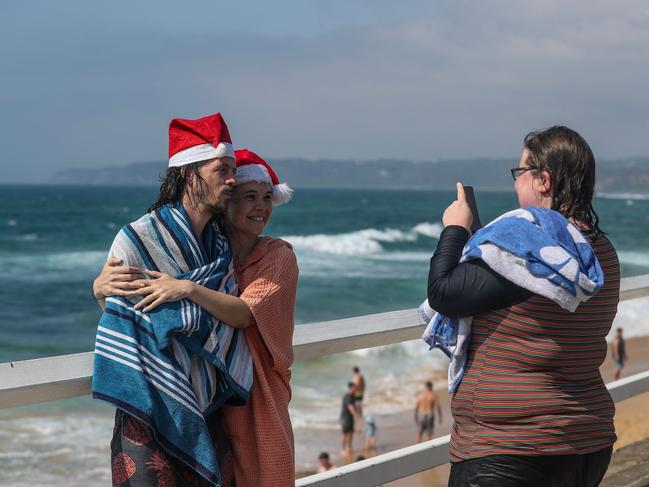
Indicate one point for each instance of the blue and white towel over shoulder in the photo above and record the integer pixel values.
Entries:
(536, 248)
(176, 364)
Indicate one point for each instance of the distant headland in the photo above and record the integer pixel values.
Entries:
(628, 175)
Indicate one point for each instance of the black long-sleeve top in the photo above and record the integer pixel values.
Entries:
(469, 288)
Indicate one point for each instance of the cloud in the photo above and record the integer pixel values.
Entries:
(415, 80)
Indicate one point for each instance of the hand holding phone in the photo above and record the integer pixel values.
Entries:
(470, 200)
(463, 211)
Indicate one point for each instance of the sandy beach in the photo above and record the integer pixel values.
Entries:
(398, 430)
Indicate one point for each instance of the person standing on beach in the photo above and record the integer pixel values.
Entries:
(619, 353)
(359, 392)
(426, 405)
(370, 434)
(347, 415)
(529, 404)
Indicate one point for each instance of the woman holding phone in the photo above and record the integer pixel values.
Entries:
(530, 407)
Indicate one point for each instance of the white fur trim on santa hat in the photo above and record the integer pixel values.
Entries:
(203, 152)
(253, 172)
(257, 173)
(282, 193)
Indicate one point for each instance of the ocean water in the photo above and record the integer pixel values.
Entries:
(359, 252)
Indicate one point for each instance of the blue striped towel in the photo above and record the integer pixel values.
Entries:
(175, 365)
(536, 248)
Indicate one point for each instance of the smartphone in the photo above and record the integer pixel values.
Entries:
(470, 199)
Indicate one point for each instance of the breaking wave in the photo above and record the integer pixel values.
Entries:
(363, 242)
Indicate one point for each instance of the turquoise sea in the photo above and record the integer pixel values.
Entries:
(359, 252)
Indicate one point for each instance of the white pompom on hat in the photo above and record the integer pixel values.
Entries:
(252, 168)
(198, 140)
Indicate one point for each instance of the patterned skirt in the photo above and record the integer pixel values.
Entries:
(137, 460)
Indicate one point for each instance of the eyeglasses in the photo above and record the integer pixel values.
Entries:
(517, 171)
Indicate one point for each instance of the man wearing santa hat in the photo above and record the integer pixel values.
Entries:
(201, 168)
(200, 175)
(167, 369)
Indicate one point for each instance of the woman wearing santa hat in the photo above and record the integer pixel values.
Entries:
(266, 269)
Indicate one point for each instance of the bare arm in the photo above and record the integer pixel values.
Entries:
(164, 288)
(229, 309)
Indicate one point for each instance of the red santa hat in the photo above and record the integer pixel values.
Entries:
(198, 140)
(251, 167)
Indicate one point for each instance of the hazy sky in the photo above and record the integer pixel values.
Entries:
(87, 84)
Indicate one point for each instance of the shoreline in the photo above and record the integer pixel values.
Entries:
(397, 430)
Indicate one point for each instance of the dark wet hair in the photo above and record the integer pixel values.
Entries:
(429, 385)
(356, 369)
(569, 160)
(323, 456)
(174, 185)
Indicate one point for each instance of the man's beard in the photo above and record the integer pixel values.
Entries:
(216, 209)
(203, 197)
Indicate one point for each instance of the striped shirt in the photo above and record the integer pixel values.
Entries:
(532, 384)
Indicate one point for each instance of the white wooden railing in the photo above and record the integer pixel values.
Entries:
(52, 378)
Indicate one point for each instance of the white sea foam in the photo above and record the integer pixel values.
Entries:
(410, 349)
(56, 266)
(623, 196)
(633, 317)
(59, 260)
(640, 259)
(363, 242)
(433, 230)
(70, 448)
(344, 244)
